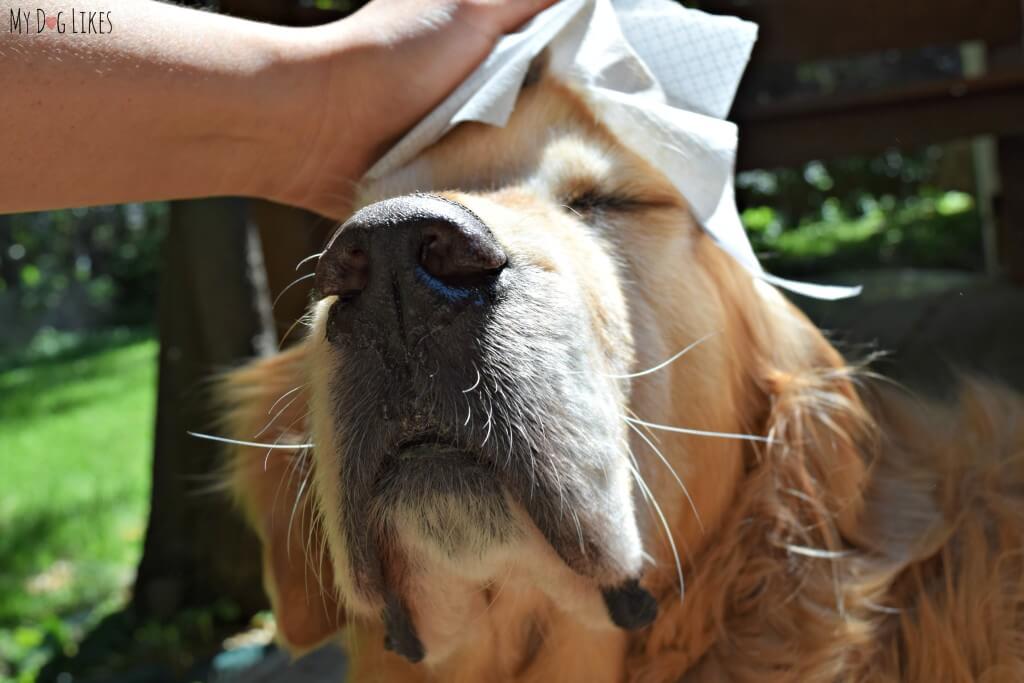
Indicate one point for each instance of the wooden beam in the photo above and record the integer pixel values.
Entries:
(1011, 207)
(791, 133)
(800, 30)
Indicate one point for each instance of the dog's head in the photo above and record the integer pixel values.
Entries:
(492, 357)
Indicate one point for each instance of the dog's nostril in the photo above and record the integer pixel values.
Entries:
(355, 270)
(344, 270)
(356, 258)
(458, 254)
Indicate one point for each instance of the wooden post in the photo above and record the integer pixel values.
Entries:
(289, 235)
(1009, 200)
(1011, 207)
(213, 313)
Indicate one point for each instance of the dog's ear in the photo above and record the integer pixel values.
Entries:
(297, 571)
(275, 490)
(820, 432)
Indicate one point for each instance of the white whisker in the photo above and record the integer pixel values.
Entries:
(309, 258)
(490, 415)
(277, 442)
(579, 531)
(254, 444)
(290, 285)
(651, 434)
(671, 360)
(884, 609)
(508, 456)
(282, 397)
(477, 382)
(646, 491)
(699, 432)
(291, 328)
(678, 479)
(295, 506)
(817, 552)
(279, 413)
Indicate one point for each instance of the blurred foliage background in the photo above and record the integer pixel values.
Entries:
(895, 210)
(77, 358)
(77, 270)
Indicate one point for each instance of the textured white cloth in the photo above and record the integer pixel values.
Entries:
(662, 78)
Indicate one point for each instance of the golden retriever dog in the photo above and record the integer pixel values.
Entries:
(542, 428)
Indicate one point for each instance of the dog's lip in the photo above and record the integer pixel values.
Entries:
(434, 447)
(425, 441)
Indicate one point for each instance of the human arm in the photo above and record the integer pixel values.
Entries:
(176, 103)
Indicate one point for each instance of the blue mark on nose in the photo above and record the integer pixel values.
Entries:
(450, 293)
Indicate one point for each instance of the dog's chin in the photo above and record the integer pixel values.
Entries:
(461, 545)
(444, 502)
(449, 526)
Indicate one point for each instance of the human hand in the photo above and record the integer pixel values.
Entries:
(371, 77)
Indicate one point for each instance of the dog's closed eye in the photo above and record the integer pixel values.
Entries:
(589, 196)
(593, 200)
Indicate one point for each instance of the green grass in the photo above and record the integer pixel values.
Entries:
(76, 421)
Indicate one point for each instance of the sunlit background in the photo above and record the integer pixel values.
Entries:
(78, 367)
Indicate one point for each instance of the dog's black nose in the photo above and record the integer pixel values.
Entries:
(407, 256)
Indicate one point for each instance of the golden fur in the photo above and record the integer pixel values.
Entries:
(874, 537)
